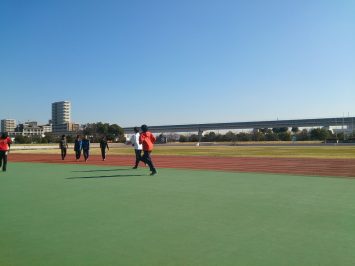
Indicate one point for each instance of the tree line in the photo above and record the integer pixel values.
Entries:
(95, 131)
(267, 134)
(115, 133)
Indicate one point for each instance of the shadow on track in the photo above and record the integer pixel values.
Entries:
(101, 176)
(103, 170)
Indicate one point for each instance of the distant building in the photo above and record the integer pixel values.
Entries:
(66, 128)
(29, 129)
(61, 119)
(32, 128)
(8, 125)
(61, 112)
(47, 128)
(74, 127)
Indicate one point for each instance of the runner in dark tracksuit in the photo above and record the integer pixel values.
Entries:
(63, 145)
(85, 144)
(103, 146)
(77, 147)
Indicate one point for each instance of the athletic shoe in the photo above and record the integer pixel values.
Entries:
(153, 173)
(134, 167)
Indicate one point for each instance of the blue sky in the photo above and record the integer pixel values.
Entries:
(176, 62)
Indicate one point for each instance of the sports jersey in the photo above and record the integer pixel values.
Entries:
(85, 144)
(4, 144)
(147, 139)
(135, 141)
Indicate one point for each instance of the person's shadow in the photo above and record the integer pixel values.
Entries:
(101, 176)
(101, 170)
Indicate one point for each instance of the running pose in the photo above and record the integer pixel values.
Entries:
(147, 139)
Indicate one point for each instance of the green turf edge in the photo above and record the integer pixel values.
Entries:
(179, 217)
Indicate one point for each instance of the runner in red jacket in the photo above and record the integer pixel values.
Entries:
(5, 143)
(147, 139)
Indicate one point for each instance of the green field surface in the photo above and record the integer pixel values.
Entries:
(324, 152)
(90, 215)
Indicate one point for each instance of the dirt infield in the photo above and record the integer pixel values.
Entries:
(319, 167)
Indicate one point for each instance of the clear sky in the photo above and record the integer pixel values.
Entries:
(177, 62)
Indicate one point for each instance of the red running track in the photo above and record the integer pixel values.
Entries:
(303, 166)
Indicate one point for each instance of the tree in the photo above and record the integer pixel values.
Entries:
(117, 131)
(219, 137)
(295, 130)
(243, 136)
(230, 136)
(36, 139)
(102, 129)
(70, 139)
(48, 138)
(183, 138)
(279, 129)
(319, 134)
(271, 136)
(303, 135)
(22, 139)
(258, 136)
(211, 136)
(284, 136)
(97, 130)
(263, 130)
(89, 129)
(194, 138)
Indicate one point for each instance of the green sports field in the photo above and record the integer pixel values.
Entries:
(52, 214)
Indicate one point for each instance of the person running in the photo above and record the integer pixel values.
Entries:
(103, 146)
(137, 146)
(77, 147)
(63, 145)
(85, 144)
(147, 140)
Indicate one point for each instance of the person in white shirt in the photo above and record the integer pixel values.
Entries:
(137, 147)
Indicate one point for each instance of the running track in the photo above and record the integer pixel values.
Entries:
(304, 166)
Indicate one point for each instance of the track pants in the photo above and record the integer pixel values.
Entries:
(86, 154)
(63, 152)
(3, 160)
(138, 157)
(148, 160)
(77, 154)
(103, 153)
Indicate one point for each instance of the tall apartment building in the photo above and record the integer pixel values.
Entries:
(61, 112)
(8, 125)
